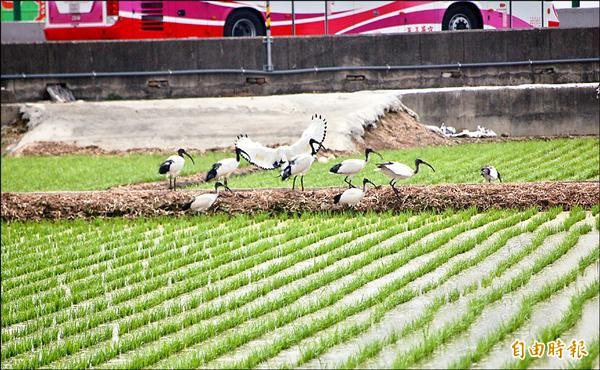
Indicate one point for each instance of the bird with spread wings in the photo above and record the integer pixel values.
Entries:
(271, 158)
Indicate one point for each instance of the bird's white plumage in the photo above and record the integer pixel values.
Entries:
(351, 196)
(176, 165)
(351, 166)
(301, 164)
(260, 155)
(491, 174)
(397, 170)
(269, 158)
(203, 202)
(227, 166)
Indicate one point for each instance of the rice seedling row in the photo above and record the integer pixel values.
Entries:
(248, 291)
(433, 340)
(189, 274)
(374, 347)
(320, 345)
(259, 354)
(141, 253)
(146, 300)
(110, 240)
(67, 275)
(278, 318)
(206, 312)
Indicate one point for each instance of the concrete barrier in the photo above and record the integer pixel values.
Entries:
(531, 110)
(300, 52)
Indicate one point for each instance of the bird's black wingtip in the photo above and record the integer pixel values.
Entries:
(186, 206)
(336, 199)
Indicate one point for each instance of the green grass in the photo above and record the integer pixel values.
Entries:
(89, 172)
(518, 161)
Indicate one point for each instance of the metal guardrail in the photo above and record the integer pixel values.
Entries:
(315, 69)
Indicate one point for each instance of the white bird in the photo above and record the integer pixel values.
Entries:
(400, 171)
(173, 166)
(204, 201)
(271, 158)
(225, 167)
(353, 195)
(351, 167)
(490, 174)
(300, 164)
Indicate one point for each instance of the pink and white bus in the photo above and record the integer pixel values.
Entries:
(93, 20)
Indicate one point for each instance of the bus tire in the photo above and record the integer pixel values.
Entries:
(460, 18)
(244, 23)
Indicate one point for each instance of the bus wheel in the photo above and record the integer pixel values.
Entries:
(460, 18)
(244, 23)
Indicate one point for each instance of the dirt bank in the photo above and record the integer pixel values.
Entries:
(134, 203)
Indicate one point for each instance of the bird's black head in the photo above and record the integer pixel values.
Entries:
(485, 171)
(369, 151)
(419, 161)
(181, 152)
(367, 181)
(238, 152)
(286, 173)
(219, 184)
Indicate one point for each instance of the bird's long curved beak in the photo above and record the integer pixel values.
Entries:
(372, 183)
(425, 163)
(189, 156)
(380, 156)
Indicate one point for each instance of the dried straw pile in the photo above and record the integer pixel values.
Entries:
(134, 203)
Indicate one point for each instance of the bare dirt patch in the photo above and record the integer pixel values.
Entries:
(56, 148)
(399, 130)
(134, 203)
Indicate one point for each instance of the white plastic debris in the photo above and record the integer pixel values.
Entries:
(449, 131)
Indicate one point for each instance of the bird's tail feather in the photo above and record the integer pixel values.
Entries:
(211, 175)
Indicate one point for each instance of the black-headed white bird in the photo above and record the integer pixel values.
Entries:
(173, 166)
(300, 164)
(353, 195)
(490, 174)
(271, 158)
(225, 167)
(203, 202)
(351, 167)
(400, 171)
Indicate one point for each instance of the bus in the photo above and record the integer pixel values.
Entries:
(122, 20)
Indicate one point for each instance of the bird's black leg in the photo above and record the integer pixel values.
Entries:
(294, 183)
(225, 182)
(170, 182)
(175, 183)
(302, 182)
(396, 191)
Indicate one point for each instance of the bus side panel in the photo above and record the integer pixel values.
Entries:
(550, 16)
(526, 14)
(75, 13)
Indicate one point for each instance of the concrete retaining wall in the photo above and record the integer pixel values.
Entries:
(579, 17)
(300, 52)
(539, 110)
